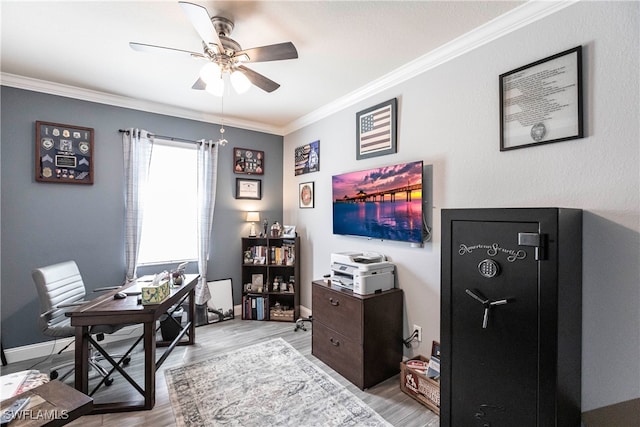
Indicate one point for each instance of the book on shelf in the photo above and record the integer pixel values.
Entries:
(254, 307)
(256, 255)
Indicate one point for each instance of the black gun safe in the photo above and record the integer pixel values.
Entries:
(511, 317)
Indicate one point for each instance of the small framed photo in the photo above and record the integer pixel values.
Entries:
(289, 231)
(307, 158)
(541, 102)
(257, 282)
(305, 191)
(248, 188)
(376, 130)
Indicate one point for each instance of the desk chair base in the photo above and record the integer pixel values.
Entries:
(94, 359)
(300, 323)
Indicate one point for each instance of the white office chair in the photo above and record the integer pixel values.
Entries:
(60, 287)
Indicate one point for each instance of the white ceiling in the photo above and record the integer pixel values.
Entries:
(344, 47)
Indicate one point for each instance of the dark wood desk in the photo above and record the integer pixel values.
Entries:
(105, 310)
(52, 404)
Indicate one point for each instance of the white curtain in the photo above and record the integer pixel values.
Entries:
(137, 145)
(207, 179)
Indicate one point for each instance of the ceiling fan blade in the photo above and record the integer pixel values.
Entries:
(201, 21)
(149, 48)
(259, 80)
(274, 52)
(199, 84)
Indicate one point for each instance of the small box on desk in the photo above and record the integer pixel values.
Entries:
(416, 384)
(155, 294)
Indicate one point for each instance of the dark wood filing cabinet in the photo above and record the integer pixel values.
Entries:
(359, 336)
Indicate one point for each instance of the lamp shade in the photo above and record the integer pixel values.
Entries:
(210, 72)
(240, 82)
(253, 216)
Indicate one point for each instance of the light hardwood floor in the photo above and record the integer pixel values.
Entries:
(385, 398)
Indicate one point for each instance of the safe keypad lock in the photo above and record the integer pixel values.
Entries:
(489, 268)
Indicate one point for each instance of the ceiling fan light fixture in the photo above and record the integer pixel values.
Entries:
(210, 72)
(216, 87)
(239, 81)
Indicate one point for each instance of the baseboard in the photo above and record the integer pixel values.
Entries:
(304, 312)
(48, 348)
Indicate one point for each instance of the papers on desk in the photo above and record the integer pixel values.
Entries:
(14, 384)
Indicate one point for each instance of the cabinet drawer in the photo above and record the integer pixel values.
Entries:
(338, 311)
(342, 354)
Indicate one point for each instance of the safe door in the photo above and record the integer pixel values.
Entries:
(499, 323)
(495, 325)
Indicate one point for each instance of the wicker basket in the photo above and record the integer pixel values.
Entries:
(419, 386)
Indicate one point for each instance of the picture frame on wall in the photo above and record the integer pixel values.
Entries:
(376, 130)
(307, 158)
(541, 102)
(64, 153)
(248, 188)
(247, 161)
(306, 196)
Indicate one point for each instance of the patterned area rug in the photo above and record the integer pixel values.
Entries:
(267, 384)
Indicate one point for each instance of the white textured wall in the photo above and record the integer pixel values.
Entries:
(449, 118)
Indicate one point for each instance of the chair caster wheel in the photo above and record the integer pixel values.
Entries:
(108, 381)
(53, 375)
(126, 361)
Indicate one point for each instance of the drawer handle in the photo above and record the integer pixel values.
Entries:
(334, 302)
(334, 342)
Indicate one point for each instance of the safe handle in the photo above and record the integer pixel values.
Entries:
(480, 298)
(486, 303)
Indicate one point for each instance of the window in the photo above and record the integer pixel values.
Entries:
(169, 226)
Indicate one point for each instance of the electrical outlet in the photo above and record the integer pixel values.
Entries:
(419, 330)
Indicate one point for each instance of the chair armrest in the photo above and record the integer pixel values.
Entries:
(58, 307)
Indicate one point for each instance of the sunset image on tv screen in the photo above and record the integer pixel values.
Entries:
(382, 203)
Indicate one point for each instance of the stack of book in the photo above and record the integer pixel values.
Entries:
(254, 307)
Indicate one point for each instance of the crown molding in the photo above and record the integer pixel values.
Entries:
(36, 85)
(505, 24)
(509, 22)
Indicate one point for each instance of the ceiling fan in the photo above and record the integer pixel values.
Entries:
(223, 54)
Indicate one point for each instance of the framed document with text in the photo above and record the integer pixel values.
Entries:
(248, 189)
(541, 102)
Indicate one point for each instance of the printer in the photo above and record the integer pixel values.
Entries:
(362, 272)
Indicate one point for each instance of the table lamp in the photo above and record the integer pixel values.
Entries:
(253, 217)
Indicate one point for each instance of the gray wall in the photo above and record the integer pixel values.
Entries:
(44, 223)
(449, 118)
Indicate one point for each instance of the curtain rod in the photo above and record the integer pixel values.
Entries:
(170, 138)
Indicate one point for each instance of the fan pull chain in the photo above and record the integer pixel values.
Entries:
(222, 141)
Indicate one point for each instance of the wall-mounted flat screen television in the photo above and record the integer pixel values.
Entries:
(382, 203)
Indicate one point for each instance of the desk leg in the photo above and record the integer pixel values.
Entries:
(82, 359)
(150, 365)
(192, 317)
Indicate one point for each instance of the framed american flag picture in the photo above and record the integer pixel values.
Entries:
(376, 130)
